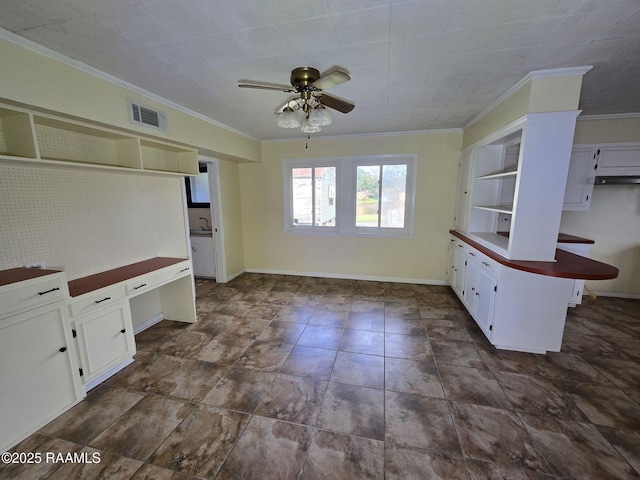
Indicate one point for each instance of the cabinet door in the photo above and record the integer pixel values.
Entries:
(469, 291)
(105, 338)
(485, 284)
(464, 185)
(203, 257)
(38, 371)
(582, 169)
(619, 159)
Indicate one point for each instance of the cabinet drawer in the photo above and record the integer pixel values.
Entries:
(31, 293)
(92, 301)
(482, 260)
(147, 282)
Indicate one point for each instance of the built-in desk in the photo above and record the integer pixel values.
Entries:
(100, 312)
(59, 339)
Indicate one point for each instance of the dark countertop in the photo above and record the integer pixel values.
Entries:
(83, 285)
(20, 274)
(567, 265)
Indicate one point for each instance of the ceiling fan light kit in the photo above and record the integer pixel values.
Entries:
(288, 118)
(308, 85)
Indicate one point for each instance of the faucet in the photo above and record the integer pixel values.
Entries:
(205, 221)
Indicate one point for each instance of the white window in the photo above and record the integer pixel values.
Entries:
(371, 195)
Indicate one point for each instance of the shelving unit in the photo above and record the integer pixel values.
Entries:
(515, 183)
(35, 138)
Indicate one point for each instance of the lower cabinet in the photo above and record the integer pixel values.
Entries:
(516, 310)
(457, 260)
(204, 264)
(105, 340)
(38, 371)
(479, 293)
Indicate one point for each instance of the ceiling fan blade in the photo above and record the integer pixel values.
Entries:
(266, 86)
(331, 79)
(337, 103)
(288, 103)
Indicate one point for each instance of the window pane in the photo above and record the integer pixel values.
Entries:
(394, 190)
(302, 196)
(325, 213)
(367, 195)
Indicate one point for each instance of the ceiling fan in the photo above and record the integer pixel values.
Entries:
(310, 97)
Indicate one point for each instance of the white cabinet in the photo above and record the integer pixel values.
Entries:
(462, 205)
(589, 161)
(582, 171)
(38, 365)
(619, 160)
(202, 256)
(515, 309)
(104, 333)
(479, 289)
(457, 260)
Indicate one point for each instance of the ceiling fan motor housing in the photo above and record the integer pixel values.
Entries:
(302, 77)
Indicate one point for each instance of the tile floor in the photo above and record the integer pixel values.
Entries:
(293, 377)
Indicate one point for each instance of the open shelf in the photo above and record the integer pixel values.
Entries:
(496, 208)
(70, 142)
(504, 173)
(16, 134)
(36, 138)
(162, 157)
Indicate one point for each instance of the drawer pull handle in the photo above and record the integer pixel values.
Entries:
(472, 254)
(123, 330)
(49, 291)
(62, 349)
(185, 269)
(103, 300)
(486, 264)
(140, 286)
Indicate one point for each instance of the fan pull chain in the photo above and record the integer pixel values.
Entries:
(306, 142)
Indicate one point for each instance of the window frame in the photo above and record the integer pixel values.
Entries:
(345, 195)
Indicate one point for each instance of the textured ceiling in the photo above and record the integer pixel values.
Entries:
(415, 65)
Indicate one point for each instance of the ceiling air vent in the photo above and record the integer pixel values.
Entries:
(147, 116)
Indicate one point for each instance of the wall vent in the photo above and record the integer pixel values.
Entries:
(144, 115)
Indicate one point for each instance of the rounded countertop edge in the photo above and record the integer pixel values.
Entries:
(567, 265)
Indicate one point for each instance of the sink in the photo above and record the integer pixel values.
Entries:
(201, 231)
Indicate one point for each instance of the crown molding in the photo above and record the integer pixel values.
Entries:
(609, 116)
(83, 67)
(361, 135)
(554, 72)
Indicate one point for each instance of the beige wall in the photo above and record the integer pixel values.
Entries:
(421, 258)
(613, 220)
(232, 214)
(551, 94)
(37, 80)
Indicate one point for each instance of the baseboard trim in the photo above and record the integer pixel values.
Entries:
(598, 293)
(346, 276)
(112, 371)
(148, 323)
(234, 275)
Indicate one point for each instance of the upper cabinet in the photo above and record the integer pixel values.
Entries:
(619, 160)
(582, 171)
(590, 161)
(38, 138)
(515, 183)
